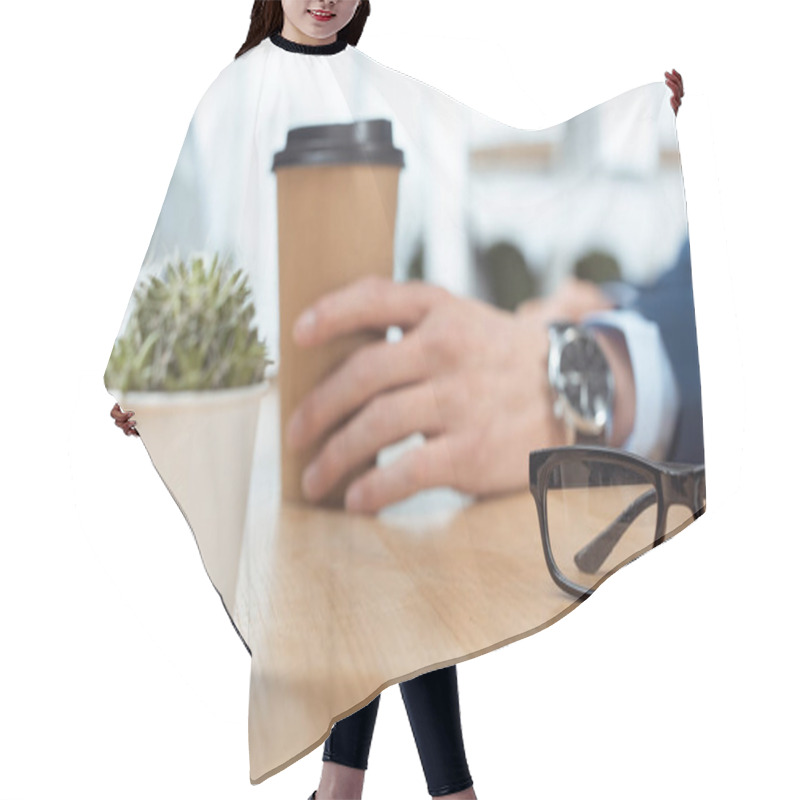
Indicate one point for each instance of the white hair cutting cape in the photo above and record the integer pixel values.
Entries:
(333, 605)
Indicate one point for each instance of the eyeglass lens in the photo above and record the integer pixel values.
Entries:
(599, 514)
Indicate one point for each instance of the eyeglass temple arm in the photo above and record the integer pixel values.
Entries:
(591, 557)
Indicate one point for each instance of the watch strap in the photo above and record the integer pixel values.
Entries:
(588, 438)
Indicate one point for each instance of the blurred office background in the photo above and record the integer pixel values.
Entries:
(582, 198)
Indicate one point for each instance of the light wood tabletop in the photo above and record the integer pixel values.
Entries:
(337, 606)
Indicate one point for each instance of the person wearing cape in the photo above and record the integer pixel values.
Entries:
(462, 385)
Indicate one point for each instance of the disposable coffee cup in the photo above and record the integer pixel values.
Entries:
(337, 203)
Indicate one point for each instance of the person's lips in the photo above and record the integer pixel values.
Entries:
(321, 15)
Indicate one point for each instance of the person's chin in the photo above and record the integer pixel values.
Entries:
(316, 33)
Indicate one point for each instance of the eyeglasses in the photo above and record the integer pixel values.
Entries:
(600, 508)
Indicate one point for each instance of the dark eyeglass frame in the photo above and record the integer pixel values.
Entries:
(674, 483)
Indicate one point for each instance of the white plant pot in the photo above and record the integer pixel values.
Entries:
(201, 443)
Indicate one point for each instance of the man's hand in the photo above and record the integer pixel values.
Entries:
(573, 299)
(470, 377)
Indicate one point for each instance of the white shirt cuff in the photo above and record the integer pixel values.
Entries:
(657, 393)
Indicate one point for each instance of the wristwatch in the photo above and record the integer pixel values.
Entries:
(582, 384)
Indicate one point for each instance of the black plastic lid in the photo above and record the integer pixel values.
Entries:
(367, 141)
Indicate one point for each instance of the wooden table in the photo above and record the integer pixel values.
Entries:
(335, 607)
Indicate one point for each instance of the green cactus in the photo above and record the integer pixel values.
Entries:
(189, 330)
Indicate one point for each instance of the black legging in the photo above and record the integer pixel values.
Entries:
(432, 706)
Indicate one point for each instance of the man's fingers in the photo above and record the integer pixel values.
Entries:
(387, 419)
(370, 371)
(371, 303)
(424, 467)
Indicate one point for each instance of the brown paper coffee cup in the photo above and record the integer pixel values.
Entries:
(337, 203)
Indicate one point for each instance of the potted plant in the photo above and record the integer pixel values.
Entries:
(192, 368)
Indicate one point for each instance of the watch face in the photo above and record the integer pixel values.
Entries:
(586, 378)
